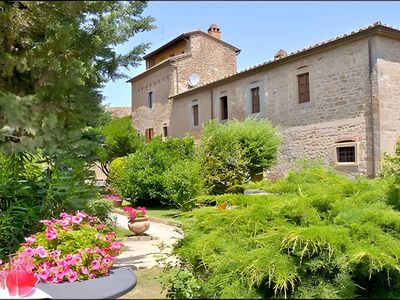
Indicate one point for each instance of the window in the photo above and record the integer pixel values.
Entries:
(255, 100)
(149, 134)
(150, 99)
(223, 107)
(165, 130)
(304, 87)
(195, 114)
(346, 153)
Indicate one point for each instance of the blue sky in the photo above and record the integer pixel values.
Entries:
(259, 29)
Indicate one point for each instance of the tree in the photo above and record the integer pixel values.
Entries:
(119, 139)
(54, 58)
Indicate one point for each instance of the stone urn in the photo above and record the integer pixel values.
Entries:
(117, 203)
(138, 225)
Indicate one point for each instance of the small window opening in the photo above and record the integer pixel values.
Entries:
(255, 100)
(150, 99)
(224, 107)
(195, 113)
(165, 130)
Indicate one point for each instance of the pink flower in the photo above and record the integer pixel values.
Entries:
(41, 252)
(81, 214)
(108, 260)
(62, 222)
(46, 222)
(76, 219)
(62, 263)
(88, 250)
(50, 233)
(64, 215)
(72, 276)
(101, 226)
(132, 214)
(55, 253)
(116, 245)
(30, 239)
(95, 264)
(84, 270)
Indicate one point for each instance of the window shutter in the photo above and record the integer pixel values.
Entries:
(304, 87)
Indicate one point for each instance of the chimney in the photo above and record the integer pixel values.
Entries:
(214, 31)
(280, 54)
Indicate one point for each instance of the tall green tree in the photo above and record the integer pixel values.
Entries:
(119, 139)
(54, 59)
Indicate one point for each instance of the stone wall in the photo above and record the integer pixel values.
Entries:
(209, 59)
(316, 142)
(160, 83)
(386, 54)
(340, 97)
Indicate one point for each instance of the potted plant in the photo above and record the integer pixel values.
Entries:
(73, 248)
(116, 199)
(137, 219)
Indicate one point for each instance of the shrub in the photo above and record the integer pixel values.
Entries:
(75, 247)
(316, 235)
(391, 173)
(182, 183)
(222, 159)
(234, 152)
(32, 188)
(117, 175)
(100, 209)
(145, 169)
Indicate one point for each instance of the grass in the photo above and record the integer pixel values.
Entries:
(148, 285)
(166, 214)
(122, 232)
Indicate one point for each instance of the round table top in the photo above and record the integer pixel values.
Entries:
(118, 283)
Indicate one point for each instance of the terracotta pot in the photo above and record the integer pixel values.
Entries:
(139, 225)
(117, 203)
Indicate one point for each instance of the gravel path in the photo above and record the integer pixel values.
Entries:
(144, 254)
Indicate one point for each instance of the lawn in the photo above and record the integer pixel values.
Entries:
(148, 285)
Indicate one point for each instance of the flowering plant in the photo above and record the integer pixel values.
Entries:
(113, 197)
(134, 213)
(75, 247)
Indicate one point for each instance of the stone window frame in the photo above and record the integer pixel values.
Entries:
(249, 87)
(194, 103)
(346, 143)
(301, 69)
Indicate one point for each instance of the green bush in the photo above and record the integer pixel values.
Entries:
(117, 175)
(182, 183)
(391, 173)
(145, 169)
(32, 188)
(234, 152)
(317, 234)
(101, 209)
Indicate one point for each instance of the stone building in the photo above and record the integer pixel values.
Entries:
(337, 101)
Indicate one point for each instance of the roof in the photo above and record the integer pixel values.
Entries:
(375, 28)
(186, 35)
(119, 111)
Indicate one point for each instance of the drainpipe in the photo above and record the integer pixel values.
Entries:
(371, 108)
(212, 103)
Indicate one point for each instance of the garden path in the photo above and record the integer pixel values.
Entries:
(140, 254)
